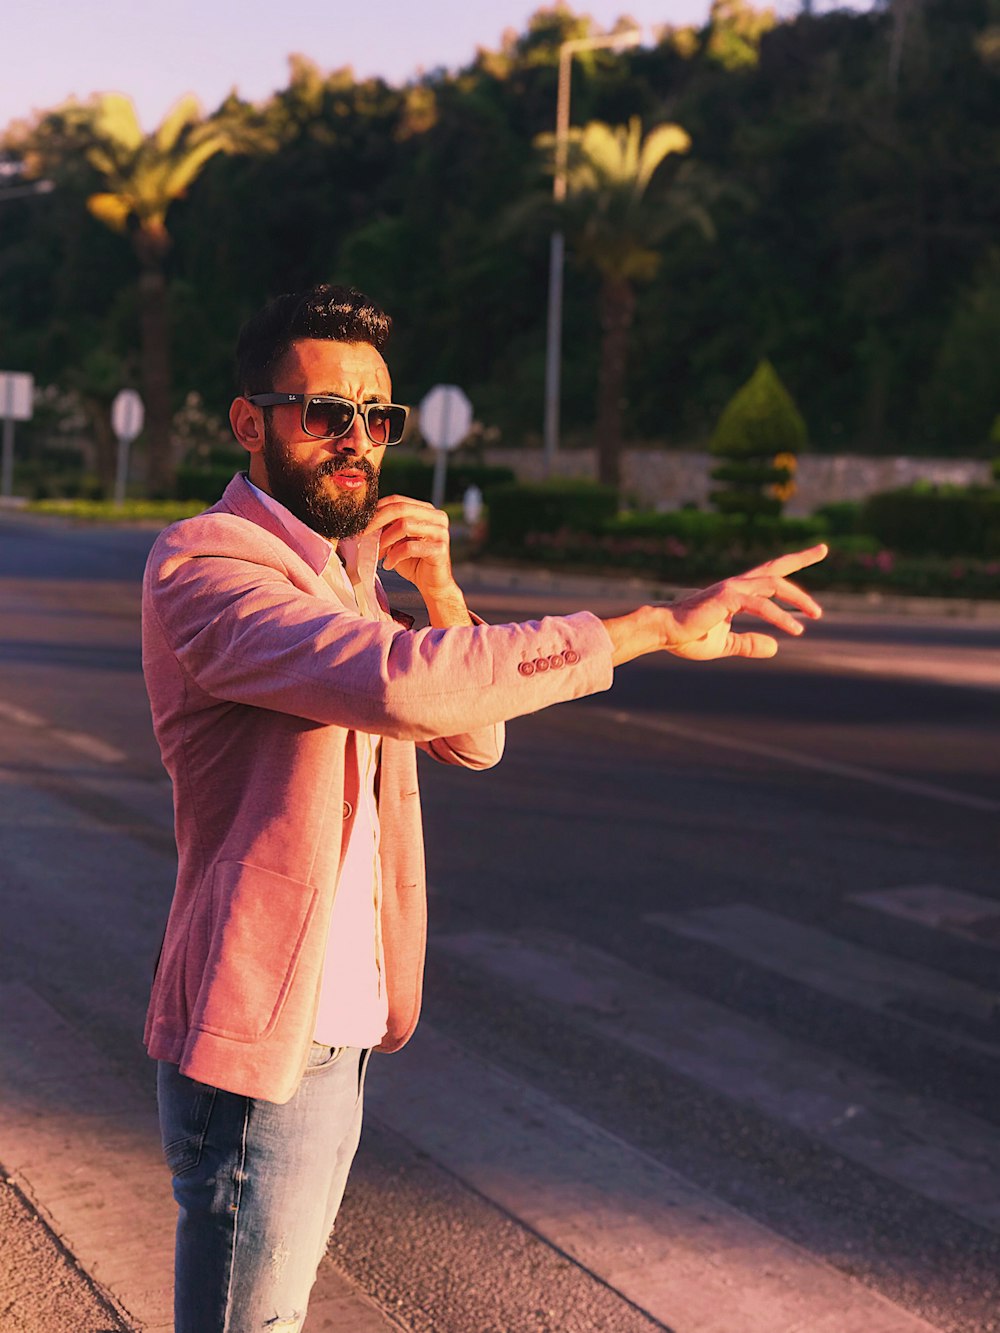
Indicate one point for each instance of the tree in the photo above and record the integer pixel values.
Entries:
(614, 225)
(143, 175)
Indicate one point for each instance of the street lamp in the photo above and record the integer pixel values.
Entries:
(557, 245)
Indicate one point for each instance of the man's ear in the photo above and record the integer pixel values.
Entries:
(247, 422)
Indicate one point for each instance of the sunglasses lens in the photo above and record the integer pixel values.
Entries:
(328, 420)
(385, 424)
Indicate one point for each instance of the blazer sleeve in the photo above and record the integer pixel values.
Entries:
(242, 630)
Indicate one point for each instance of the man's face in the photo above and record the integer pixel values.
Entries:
(331, 485)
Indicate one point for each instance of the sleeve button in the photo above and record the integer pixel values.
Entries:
(571, 657)
(348, 809)
(527, 668)
(556, 661)
(541, 664)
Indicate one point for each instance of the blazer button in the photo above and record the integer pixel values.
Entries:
(571, 657)
(541, 664)
(527, 668)
(556, 661)
(348, 809)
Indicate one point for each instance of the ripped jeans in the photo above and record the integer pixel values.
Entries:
(258, 1187)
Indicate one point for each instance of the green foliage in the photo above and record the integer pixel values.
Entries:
(159, 512)
(854, 235)
(760, 421)
(760, 432)
(405, 474)
(517, 511)
(941, 521)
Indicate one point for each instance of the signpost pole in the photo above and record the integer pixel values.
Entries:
(127, 418)
(7, 481)
(121, 471)
(441, 459)
(17, 391)
(445, 421)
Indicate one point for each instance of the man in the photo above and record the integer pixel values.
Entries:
(288, 702)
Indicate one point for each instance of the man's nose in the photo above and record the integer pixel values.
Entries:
(355, 441)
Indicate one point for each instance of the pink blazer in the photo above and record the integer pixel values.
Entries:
(258, 681)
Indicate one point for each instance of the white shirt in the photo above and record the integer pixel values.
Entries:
(353, 1005)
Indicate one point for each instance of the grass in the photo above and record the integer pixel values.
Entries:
(106, 511)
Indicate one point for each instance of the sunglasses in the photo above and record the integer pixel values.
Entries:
(327, 417)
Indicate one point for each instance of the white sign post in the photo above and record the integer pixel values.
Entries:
(17, 401)
(127, 418)
(445, 421)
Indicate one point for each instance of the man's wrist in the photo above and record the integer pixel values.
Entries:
(648, 629)
(446, 606)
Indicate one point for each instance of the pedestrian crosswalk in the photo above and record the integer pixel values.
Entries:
(671, 1248)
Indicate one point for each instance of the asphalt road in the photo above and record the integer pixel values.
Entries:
(711, 1038)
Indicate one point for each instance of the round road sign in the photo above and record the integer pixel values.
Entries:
(445, 416)
(127, 415)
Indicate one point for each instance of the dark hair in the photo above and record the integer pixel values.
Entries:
(341, 314)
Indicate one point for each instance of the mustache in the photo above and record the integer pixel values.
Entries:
(342, 463)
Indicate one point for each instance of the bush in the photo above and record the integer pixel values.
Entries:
(942, 521)
(842, 517)
(759, 433)
(405, 474)
(205, 483)
(517, 511)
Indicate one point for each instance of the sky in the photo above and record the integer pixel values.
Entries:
(156, 52)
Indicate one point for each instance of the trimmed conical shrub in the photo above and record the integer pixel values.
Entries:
(759, 435)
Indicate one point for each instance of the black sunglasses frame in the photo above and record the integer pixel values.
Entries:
(306, 399)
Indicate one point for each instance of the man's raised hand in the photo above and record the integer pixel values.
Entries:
(699, 625)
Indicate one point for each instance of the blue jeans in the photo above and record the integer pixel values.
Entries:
(258, 1187)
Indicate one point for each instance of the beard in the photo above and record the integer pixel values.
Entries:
(302, 491)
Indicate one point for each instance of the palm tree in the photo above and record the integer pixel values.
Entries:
(143, 174)
(615, 225)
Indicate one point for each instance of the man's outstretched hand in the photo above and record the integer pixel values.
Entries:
(699, 625)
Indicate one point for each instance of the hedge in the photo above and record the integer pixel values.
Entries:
(517, 511)
(942, 521)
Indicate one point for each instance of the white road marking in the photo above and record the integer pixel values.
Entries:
(853, 772)
(938, 1152)
(837, 967)
(20, 716)
(962, 914)
(682, 1256)
(92, 746)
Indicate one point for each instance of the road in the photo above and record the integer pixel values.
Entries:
(711, 1038)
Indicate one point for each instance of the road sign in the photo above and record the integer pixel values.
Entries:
(17, 402)
(445, 416)
(127, 417)
(445, 421)
(17, 395)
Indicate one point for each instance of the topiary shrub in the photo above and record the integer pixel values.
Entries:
(759, 435)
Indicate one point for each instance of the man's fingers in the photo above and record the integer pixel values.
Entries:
(412, 548)
(783, 565)
(772, 613)
(751, 645)
(797, 597)
(393, 508)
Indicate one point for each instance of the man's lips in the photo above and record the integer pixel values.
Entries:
(350, 479)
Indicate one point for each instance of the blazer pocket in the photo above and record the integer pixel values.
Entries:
(260, 920)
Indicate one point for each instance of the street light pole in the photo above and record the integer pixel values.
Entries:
(557, 244)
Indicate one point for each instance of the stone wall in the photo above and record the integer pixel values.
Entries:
(664, 479)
